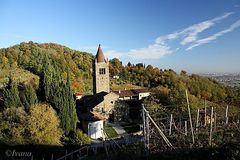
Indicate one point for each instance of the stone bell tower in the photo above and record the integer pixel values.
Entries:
(101, 80)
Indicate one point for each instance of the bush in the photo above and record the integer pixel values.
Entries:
(78, 138)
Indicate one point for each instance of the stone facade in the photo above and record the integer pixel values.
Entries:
(101, 80)
(103, 101)
(107, 105)
(101, 83)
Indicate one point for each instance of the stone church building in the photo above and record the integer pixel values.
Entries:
(104, 104)
(101, 85)
(96, 108)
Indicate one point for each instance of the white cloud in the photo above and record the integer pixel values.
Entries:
(192, 32)
(112, 54)
(237, 5)
(153, 51)
(163, 39)
(215, 36)
(186, 36)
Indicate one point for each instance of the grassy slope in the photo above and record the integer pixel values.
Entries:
(18, 75)
(110, 131)
(115, 86)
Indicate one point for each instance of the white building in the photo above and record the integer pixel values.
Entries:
(92, 123)
(133, 94)
(95, 129)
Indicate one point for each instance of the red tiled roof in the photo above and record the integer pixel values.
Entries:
(130, 93)
(78, 94)
(125, 93)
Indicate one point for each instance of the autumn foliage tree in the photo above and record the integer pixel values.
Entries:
(43, 125)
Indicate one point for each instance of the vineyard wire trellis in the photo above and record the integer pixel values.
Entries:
(209, 123)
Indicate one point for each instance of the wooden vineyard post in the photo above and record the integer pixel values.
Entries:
(147, 132)
(211, 124)
(185, 128)
(158, 129)
(205, 114)
(197, 123)
(190, 118)
(143, 119)
(226, 116)
(170, 126)
(180, 122)
(215, 121)
(144, 127)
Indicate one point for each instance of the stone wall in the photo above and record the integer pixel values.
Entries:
(101, 82)
(106, 106)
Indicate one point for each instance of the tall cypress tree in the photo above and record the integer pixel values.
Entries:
(60, 95)
(11, 95)
(47, 77)
(72, 104)
(29, 97)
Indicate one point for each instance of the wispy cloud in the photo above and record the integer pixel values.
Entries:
(187, 38)
(190, 34)
(153, 51)
(237, 5)
(215, 36)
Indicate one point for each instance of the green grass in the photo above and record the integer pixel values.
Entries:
(110, 131)
(132, 128)
(115, 86)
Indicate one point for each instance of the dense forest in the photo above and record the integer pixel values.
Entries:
(34, 76)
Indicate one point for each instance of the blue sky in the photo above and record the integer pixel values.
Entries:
(196, 36)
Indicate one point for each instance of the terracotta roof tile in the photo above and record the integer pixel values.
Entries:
(125, 93)
(130, 93)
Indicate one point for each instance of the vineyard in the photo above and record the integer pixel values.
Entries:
(208, 128)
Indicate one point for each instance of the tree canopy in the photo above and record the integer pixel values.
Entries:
(43, 125)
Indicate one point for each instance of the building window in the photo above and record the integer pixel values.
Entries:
(102, 71)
